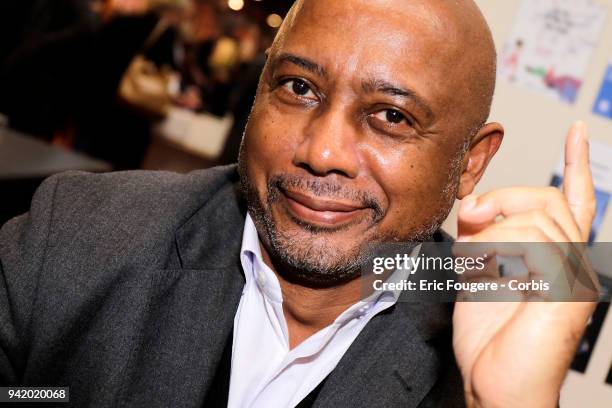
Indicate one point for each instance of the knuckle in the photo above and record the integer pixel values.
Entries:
(555, 194)
(591, 207)
(540, 217)
(534, 234)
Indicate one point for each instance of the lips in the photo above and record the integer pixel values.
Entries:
(321, 211)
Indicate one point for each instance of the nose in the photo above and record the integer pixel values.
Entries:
(329, 145)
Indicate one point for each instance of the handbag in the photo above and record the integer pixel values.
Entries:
(144, 87)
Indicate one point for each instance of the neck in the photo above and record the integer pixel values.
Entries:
(308, 310)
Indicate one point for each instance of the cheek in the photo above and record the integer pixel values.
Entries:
(269, 144)
(414, 179)
(270, 137)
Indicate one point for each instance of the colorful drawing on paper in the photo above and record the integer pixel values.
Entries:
(601, 167)
(551, 44)
(603, 104)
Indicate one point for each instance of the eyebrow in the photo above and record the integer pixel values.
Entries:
(301, 62)
(377, 85)
(369, 86)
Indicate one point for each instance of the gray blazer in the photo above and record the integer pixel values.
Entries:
(124, 287)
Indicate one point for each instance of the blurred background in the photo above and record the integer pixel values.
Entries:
(101, 85)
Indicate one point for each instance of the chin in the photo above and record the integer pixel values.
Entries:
(315, 256)
(316, 262)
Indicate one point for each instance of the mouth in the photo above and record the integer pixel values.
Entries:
(321, 212)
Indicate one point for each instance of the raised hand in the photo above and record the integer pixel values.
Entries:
(516, 354)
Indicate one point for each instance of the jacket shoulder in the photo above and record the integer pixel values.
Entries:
(112, 210)
(121, 189)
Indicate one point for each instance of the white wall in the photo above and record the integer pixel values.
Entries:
(536, 126)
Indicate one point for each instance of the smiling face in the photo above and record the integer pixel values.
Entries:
(360, 130)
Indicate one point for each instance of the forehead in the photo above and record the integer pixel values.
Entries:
(410, 41)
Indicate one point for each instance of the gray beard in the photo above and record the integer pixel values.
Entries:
(317, 263)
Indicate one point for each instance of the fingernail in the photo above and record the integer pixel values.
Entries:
(582, 126)
(580, 129)
(469, 202)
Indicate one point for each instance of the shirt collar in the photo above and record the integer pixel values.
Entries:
(250, 245)
(256, 271)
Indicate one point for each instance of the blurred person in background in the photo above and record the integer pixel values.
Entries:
(252, 46)
(41, 57)
(95, 75)
(185, 47)
(61, 62)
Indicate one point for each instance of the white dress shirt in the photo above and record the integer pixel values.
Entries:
(265, 372)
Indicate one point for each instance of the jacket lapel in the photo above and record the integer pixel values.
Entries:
(398, 357)
(192, 308)
(392, 363)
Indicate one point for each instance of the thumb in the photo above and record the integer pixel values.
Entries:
(475, 215)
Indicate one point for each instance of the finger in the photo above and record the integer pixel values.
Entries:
(577, 179)
(470, 219)
(479, 212)
(499, 240)
(525, 221)
(543, 261)
(562, 265)
(500, 233)
(539, 219)
(502, 293)
(488, 243)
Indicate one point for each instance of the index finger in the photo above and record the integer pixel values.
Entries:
(578, 185)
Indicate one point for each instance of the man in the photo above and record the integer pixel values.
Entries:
(148, 289)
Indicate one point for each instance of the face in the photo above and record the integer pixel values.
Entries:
(359, 134)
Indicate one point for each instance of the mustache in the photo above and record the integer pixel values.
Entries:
(323, 188)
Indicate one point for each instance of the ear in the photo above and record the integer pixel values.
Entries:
(482, 149)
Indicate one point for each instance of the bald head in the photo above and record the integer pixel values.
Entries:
(358, 132)
(467, 56)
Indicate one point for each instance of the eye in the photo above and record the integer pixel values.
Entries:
(299, 87)
(392, 116)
